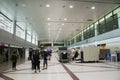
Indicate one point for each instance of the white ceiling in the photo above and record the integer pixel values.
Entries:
(36, 12)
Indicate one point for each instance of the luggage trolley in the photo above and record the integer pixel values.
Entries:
(63, 55)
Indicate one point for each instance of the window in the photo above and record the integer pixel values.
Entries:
(79, 38)
(6, 23)
(28, 37)
(101, 26)
(72, 41)
(36, 40)
(89, 32)
(92, 31)
(68, 43)
(116, 18)
(109, 22)
(33, 38)
(29, 34)
(20, 32)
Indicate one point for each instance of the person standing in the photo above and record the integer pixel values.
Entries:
(6, 55)
(48, 52)
(14, 58)
(36, 61)
(31, 59)
(45, 63)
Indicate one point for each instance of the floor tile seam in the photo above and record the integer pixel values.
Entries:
(95, 66)
(5, 77)
(73, 76)
(40, 73)
(94, 71)
(112, 65)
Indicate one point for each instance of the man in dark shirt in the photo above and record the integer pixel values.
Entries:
(45, 64)
(36, 61)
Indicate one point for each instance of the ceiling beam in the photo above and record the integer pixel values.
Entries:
(104, 2)
(68, 22)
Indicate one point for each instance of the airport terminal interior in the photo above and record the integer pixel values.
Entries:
(59, 39)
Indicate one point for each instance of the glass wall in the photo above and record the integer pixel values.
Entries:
(20, 32)
(68, 43)
(6, 23)
(72, 41)
(101, 26)
(89, 32)
(108, 22)
(117, 16)
(29, 36)
(79, 37)
(34, 38)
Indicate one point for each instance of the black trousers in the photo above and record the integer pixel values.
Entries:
(37, 65)
(14, 64)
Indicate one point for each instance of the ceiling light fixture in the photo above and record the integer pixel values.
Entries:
(23, 5)
(71, 6)
(93, 7)
(48, 18)
(65, 19)
(49, 29)
(49, 24)
(62, 23)
(60, 29)
(47, 5)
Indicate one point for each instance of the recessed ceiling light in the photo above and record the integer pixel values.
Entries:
(62, 23)
(65, 19)
(23, 5)
(48, 18)
(49, 24)
(31, 18)
(49, 29)
(47, 5)
(60, 29)
(71, 6)
(93, 7)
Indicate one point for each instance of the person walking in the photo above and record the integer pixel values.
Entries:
(36, 61)
(45, 63)
(14, 58)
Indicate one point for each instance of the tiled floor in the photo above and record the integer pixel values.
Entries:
(1, 79)
(55, 71)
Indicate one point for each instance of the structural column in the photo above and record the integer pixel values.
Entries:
(14, 28)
